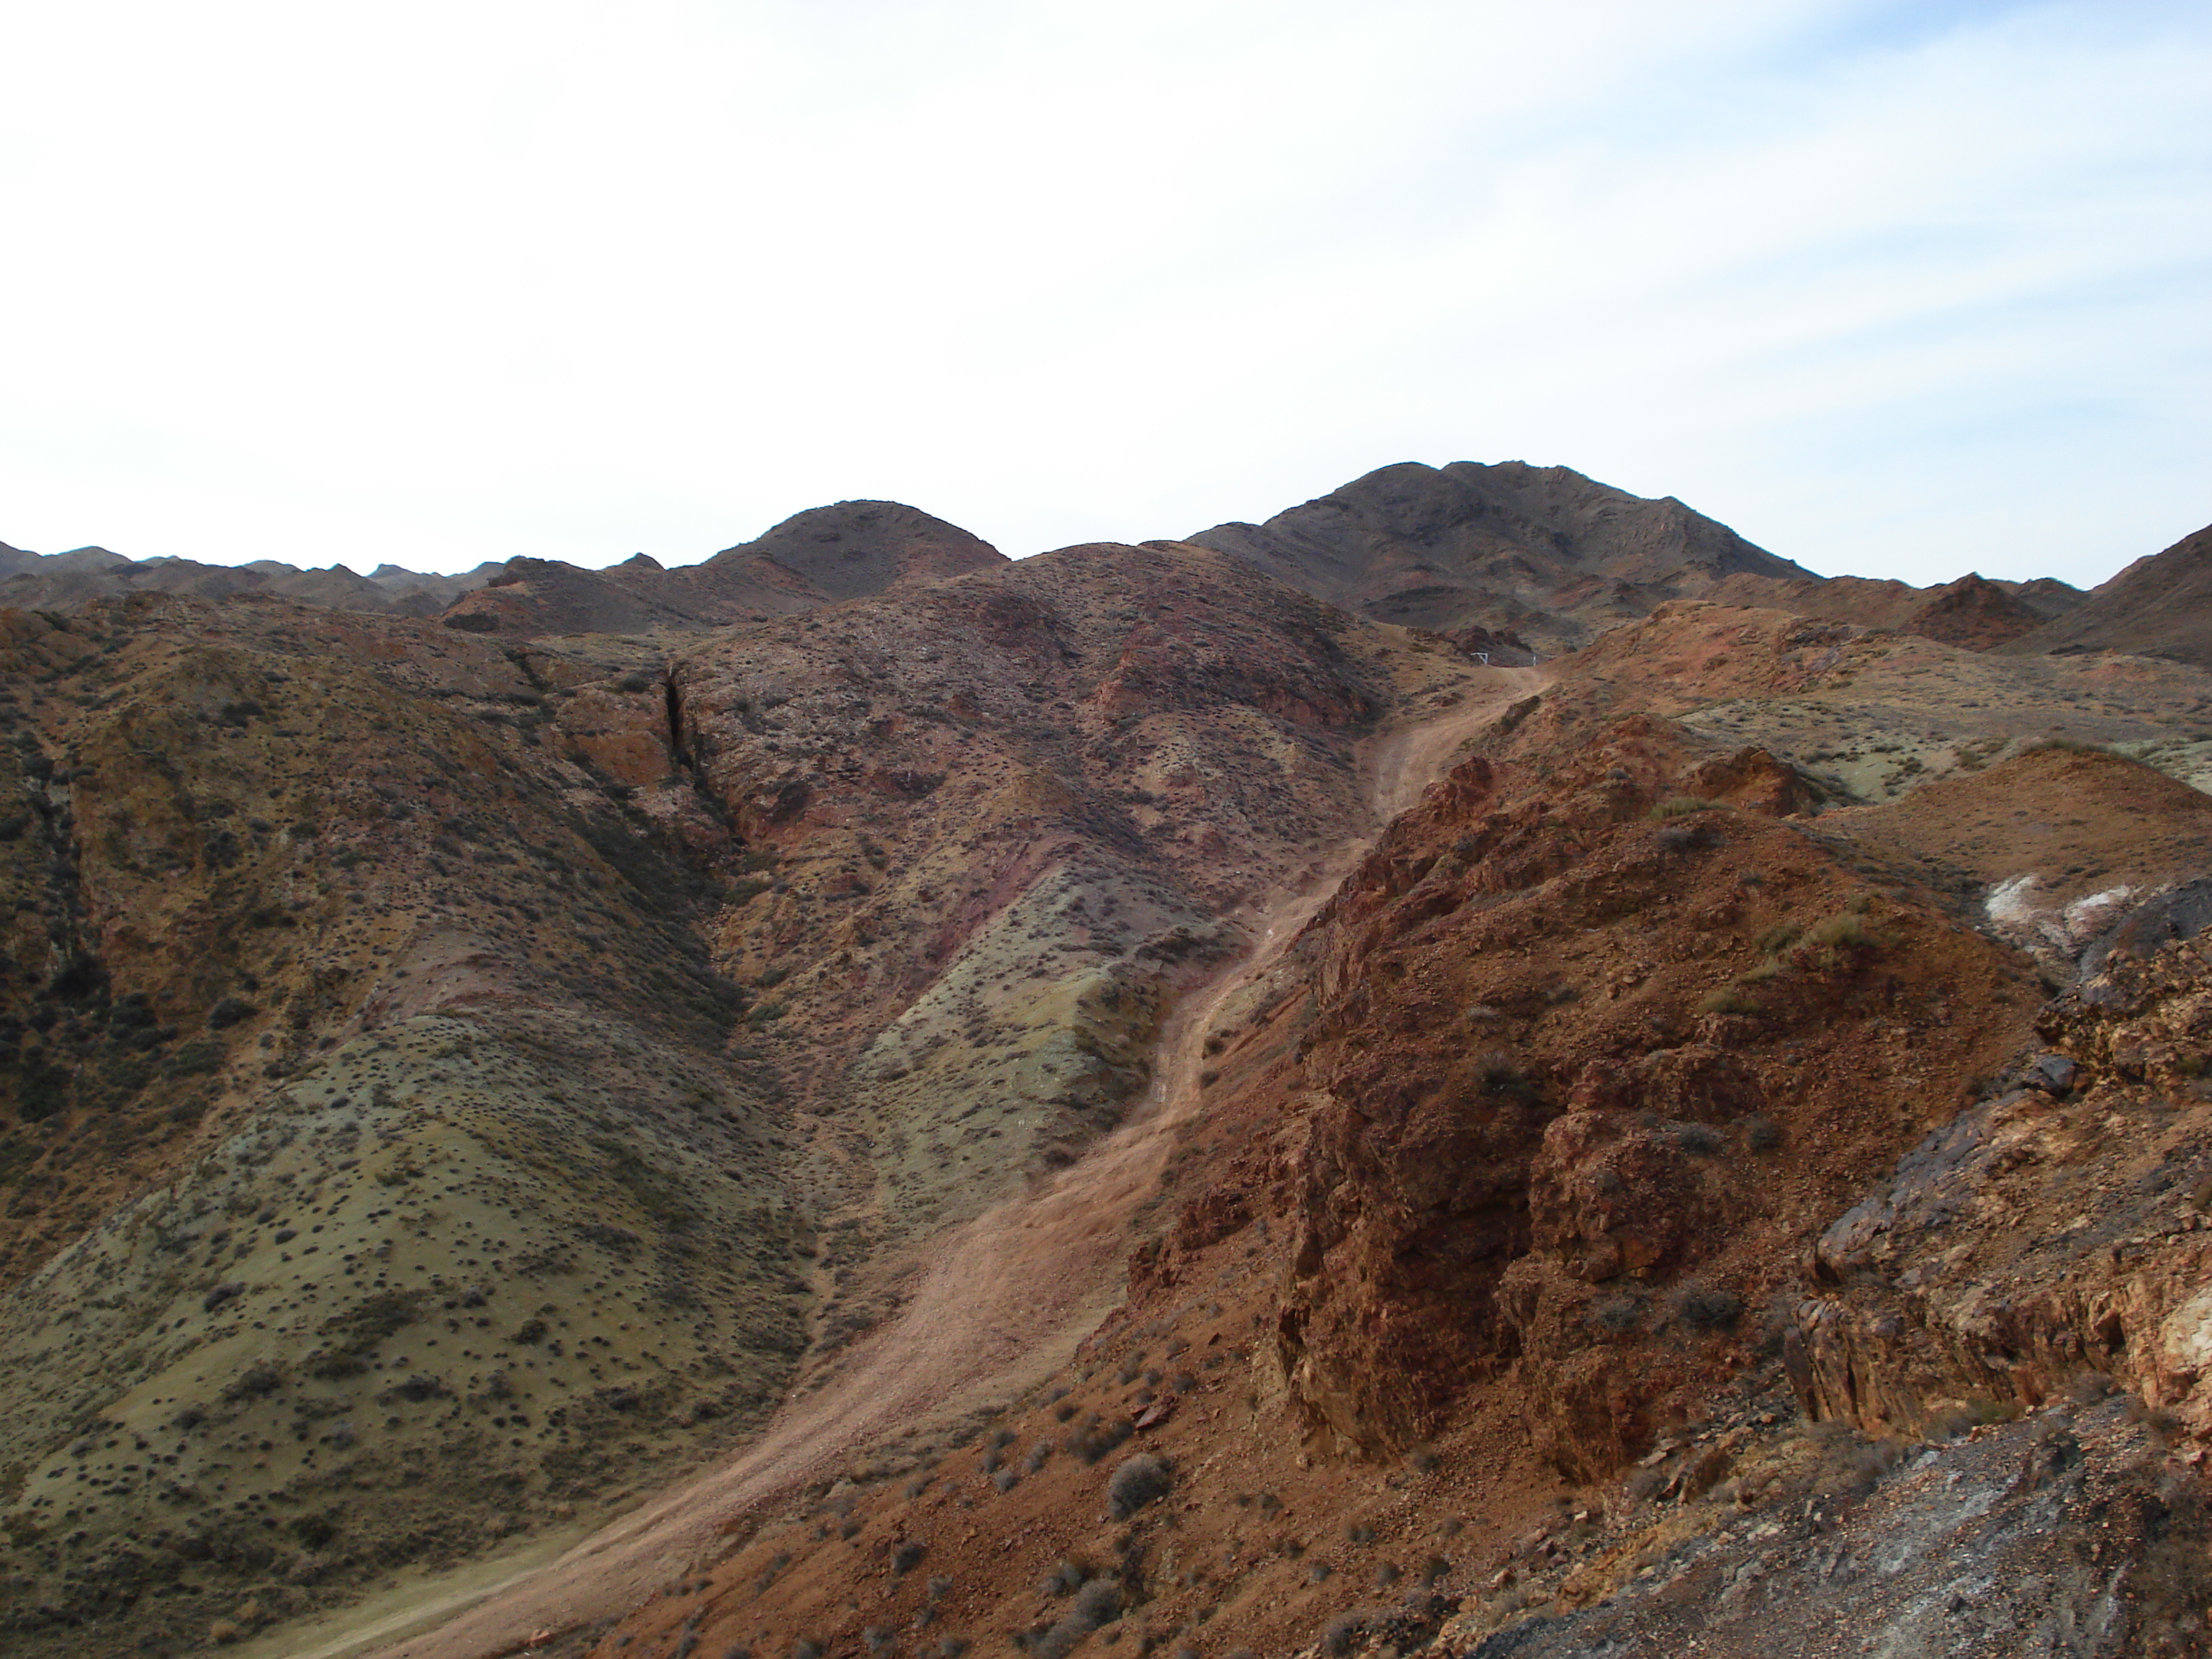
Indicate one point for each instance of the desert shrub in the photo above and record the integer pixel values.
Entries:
(1039, 1455)
(1845, 932)
(1699, 1139)
(1683, 837)
(1728, 999)
(2071, 745)
(1703, 1308)
(907, 1556)
(1852, 1468)
(2160, 1424)
(1065, 1579)
(1681, 806)
(1005, 1479)
(1099, 1602)
(256, 1381)
(1778, 938)
(1342, 1634)
(1761, 1134)
(2087, 1388)
(1953, 1422)
(1500, 1077)
(228, 1012)
(1616, 1314)
(1091, 1440)
(805, 1648)
(195, 1059)
(1138, 1481)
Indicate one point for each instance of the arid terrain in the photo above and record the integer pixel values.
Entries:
(1478, 1068)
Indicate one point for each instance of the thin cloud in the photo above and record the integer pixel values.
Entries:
(1899, 289)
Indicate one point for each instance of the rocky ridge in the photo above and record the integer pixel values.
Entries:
(32, 581)
(1543, 551)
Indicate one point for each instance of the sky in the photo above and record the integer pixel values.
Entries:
(1895, 289)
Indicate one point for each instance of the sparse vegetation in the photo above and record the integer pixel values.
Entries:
(1846, 932)
(1139, 1481)
(1707, 1307)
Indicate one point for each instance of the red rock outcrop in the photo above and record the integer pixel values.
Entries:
(1571, 1063)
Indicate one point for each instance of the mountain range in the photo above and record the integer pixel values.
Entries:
(1480, 1066)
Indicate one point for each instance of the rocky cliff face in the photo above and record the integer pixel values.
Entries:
(1609, 1025)
(1957, 1285)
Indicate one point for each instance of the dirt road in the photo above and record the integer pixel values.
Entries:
(1003, 1305)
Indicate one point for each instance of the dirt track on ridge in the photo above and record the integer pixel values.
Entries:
(1005, 1299)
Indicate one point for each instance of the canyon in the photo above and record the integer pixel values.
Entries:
(1480, 1066)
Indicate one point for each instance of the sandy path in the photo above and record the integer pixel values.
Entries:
(1005, 1300)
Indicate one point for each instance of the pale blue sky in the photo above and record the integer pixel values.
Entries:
(1895, 289)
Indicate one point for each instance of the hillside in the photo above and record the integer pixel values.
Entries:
(31, 581)
(1541, 550)
(852, 549)
(864, 1097)
(2158, 606)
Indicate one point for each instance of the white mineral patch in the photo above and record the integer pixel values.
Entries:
(2186, 1337)
(2011, 905)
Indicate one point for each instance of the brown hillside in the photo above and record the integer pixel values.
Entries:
(849, 551)
(1971, 613)
(864, 1100)
(2158, 606)
(1541, 549)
